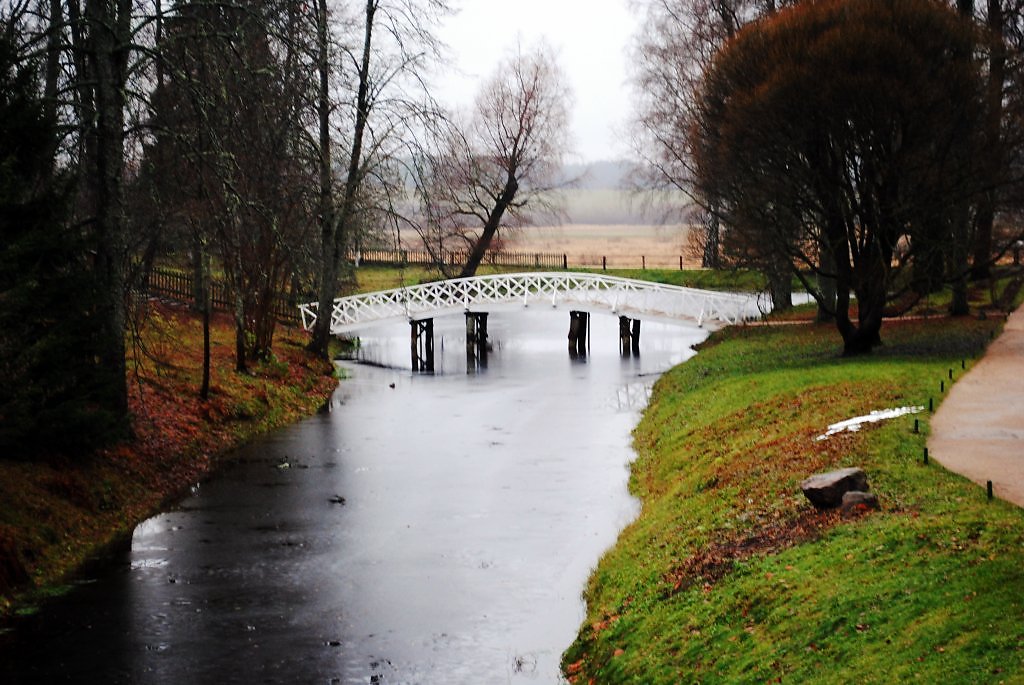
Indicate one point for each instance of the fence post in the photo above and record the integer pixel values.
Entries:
(604, 263)
(565, 261)
(643, 262)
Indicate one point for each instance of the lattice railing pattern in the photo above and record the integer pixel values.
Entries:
(620, 295)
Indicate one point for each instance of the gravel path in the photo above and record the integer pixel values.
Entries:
(978, 430)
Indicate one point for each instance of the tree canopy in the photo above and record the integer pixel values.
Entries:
(847, 137)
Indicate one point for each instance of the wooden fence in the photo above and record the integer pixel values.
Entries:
(521, 260)
(177, 285)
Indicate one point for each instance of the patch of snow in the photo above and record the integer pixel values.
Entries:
(856, 422)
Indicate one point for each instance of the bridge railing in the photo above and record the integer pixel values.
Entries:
(618, 295)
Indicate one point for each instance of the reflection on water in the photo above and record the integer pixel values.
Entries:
(633, 396)
(427, 529)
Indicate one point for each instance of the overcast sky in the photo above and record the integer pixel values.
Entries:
(591, 38)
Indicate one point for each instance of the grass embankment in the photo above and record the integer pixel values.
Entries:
(729, 575)
(55, 513)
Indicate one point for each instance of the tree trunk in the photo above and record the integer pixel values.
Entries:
(826, 286)
(865, 279)
(959, 304)
(54, 48)
(780, 286)
(199, 286)
(265, 322)
(865, 335)
(240, 346)
(870, 280)
(861, 340)
(476, 255)
(335, 229)
(927, 269)
(982, 261)
(204, 389)
(108, 40)
(958, 272)
(710, 256)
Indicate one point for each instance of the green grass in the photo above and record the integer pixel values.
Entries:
(373, 278)
(729, 576)
(707, 279)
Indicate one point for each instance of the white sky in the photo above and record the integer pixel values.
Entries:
(591, 38)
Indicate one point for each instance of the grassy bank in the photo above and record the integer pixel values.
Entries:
(729, 575)
(55, 513)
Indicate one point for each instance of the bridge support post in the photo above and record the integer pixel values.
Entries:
(579, 325)
(421, 343)
(476, 341)
(629, 336)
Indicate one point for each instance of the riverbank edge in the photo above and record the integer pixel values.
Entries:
(679, 598)
(60, 514)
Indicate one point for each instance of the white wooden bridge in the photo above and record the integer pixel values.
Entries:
(621, 296)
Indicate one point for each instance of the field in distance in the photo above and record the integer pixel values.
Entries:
(621, 245)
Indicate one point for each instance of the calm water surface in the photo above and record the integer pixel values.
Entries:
(425, 529)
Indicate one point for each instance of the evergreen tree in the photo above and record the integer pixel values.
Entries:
(54, 392)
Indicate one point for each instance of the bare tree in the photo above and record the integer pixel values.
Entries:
(678, 42)
(504, 162)
(1003, 20)
(395, 47)
(227, 157)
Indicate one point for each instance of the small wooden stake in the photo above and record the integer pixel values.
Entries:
(989, 488)
(931, 405)
(951, 374)
(915, 426)
(925, 455)
(942, 386)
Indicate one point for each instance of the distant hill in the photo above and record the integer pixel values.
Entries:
(603, 175)
(598, 193)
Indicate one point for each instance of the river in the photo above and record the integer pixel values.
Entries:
(421, 529)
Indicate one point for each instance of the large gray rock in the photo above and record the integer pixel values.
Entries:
(826, 490)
